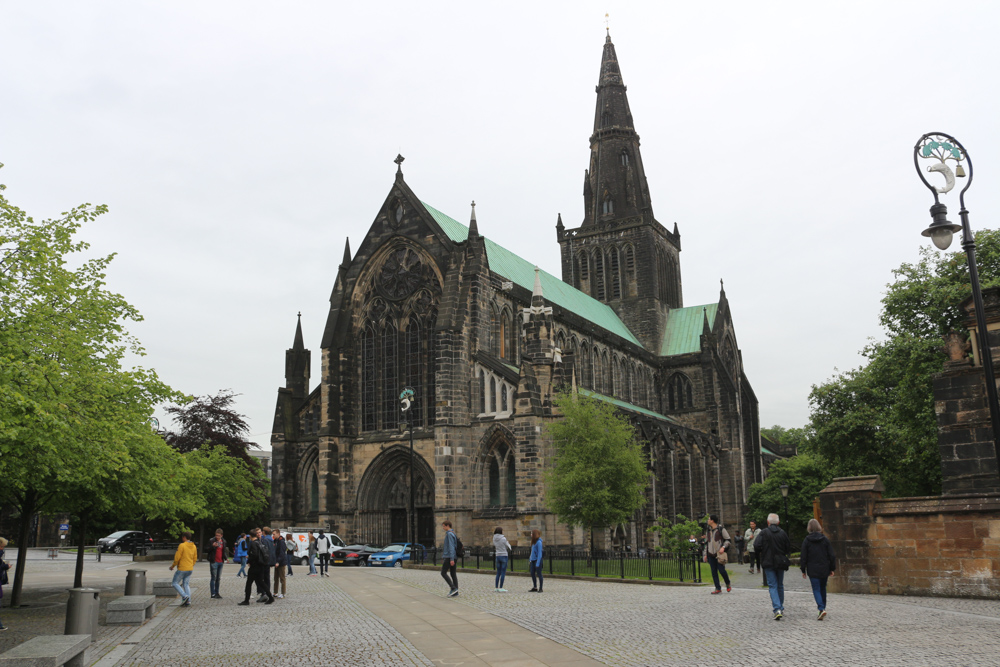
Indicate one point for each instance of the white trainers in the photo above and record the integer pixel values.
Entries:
(280, 597)
(502, 590)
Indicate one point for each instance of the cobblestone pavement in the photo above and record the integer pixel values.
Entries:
(315, 624)
(659, 625)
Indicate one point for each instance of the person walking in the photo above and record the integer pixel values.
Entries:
(817, 560)
(752, 532)
(290, 546)
(774, 547)
(184, 560)
(448, 555)
(218, 553)
(501, 549)
(280, 563)
(324, 545)
(717, 544)
(535, 562)
(241, 555)
(312, 555)
(257, 557)
(4, 566)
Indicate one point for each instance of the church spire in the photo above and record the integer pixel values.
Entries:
(297, 344)
(616, 182)
(347, 256)
(473, 225)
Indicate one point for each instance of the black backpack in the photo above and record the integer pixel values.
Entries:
(778, 559)
(263, 557)
(459, 547)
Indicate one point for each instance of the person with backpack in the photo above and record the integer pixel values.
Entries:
(774, 547)
(324, 545)
(717, 543)
(817, 560)
(259, 559)
(448, 555)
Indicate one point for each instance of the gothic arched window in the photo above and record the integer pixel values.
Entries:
(482, 392)
(609, 204)
(414, 372)
(501, 477)
(680, 393)
(616, 277)
(502, 337)
(599, 275)
(494, 482)
(493, 394)
(494, 333)
(389, 345)
(511, 482)
(369, 352)
(503, 397)
(584, 265)
(586, 369)
(629, 261)
(314, 492)
(624, 158)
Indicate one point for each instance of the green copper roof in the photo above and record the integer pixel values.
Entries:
(522, 272)
(684, 326)
(765, 450)
(624, 405)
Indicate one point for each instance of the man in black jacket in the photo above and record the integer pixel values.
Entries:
(259, 560)
(774, 547)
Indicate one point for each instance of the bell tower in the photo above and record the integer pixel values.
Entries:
(620, 254)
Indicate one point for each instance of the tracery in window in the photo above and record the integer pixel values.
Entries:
(496, 395)
(501, 477)
(680, 392)
(414, 370)
(616, 276)
(368, 379)
(390, 376)
(599, 275)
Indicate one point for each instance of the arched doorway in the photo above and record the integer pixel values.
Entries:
(384, 498)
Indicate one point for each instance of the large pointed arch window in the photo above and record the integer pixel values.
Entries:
(680, 393)
(614, 266)
(414, 368)
(501, 476)
(314, 492)
(599, 275)
(496, 395)
(369, 374)
(389, 345)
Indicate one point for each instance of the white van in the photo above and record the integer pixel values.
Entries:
(300, 539)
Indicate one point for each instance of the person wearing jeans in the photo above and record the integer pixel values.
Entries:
(501, 549)
(184, 559)
(819, 562)
(717, 541)
(218, 553)
(535, 562)
(448, 555)
(241, 555)
(312, 555)
(773, 546)
(324, 545)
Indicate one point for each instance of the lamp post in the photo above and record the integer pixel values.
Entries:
(784, 494)
(941, 148)
(406, 400)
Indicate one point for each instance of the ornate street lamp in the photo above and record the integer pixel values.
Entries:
(784, 494)
(941, 149)
(406, 400)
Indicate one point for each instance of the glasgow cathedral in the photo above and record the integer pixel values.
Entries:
(486, 340)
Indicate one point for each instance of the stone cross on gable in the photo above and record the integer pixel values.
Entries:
(399, 163)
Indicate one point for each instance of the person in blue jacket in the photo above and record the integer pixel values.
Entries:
(535, 562)
(241, 555)
(448, 556)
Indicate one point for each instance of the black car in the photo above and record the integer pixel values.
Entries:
(354, 554)
(128, 541)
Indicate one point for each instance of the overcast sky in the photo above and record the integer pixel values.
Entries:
(239, 143)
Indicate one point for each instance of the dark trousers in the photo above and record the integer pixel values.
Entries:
(448, 568)
(258, 575)
(536, 570)
(718, 567)
(324, 563)
(753, 557)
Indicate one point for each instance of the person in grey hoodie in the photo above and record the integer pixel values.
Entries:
(502, 548)
(448, 558)
(817, 560)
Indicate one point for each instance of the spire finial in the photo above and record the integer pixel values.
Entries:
(347, 253)
(297, 344)
(473, 225)
(399, 163)
(607, 24)
(537, 291)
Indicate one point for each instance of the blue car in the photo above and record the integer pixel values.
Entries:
(393, 555)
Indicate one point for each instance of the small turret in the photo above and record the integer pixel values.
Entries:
(297, 361)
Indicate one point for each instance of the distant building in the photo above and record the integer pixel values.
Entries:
(264, 458)
(486, 340)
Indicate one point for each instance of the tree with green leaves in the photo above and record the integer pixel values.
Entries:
(789, 438)
(879, 418)
(75, 421)
(674, 535)
(600, 474)
(805, 476)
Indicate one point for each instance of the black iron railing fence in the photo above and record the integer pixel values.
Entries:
(662, 566)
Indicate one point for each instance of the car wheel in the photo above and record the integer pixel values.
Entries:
(303, 561)
(398, 563)
(117, 549)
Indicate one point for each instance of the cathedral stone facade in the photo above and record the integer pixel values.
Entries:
(485, 339)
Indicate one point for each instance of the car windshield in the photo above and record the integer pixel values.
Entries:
(337, 541)
(119, 534)
(393, 548)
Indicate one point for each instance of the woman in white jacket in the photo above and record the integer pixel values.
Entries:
(502, 548)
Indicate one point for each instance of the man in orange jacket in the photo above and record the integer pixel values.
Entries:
(184, 560)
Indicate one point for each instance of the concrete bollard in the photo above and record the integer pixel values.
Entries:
(135, 582)
(81, 612)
